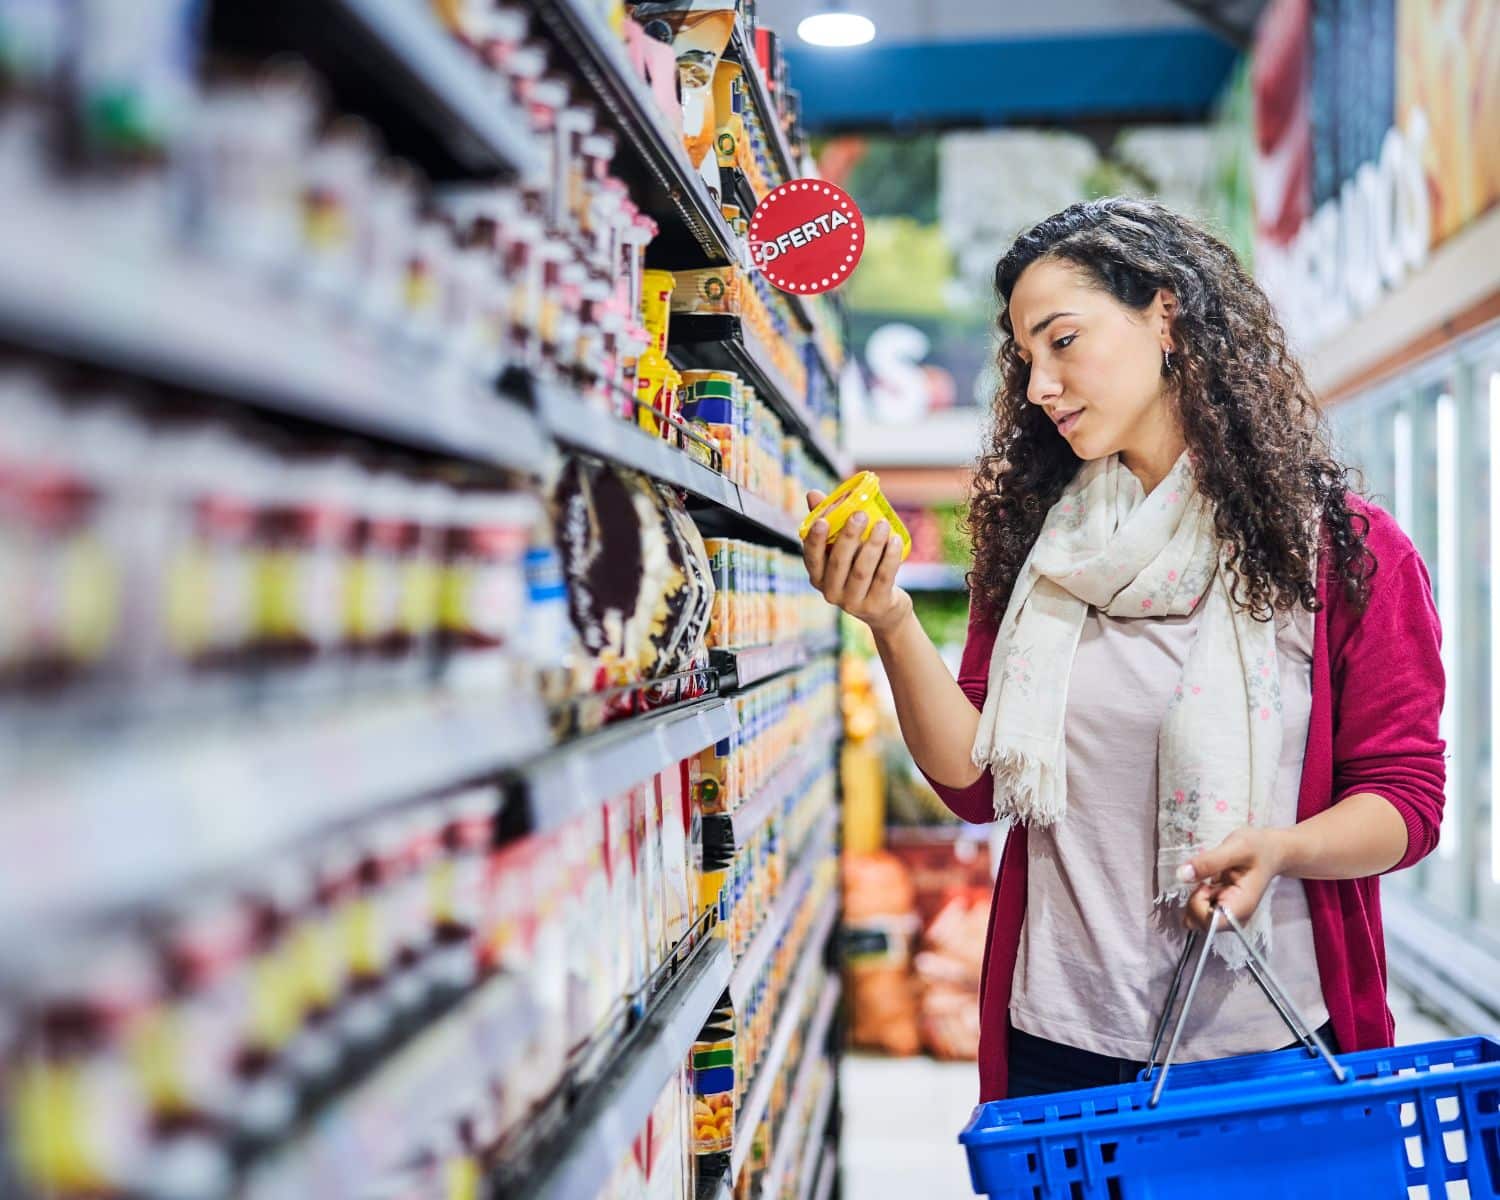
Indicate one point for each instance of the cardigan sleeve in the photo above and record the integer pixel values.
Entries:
(1388, 676)
(976, 802)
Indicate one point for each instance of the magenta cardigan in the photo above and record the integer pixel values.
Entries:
(1377, 691)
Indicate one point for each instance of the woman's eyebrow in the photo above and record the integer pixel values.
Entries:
(1045, 321)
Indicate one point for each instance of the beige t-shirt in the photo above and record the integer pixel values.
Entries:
(1096, 956)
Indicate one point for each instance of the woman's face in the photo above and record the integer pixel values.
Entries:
(1096, 365)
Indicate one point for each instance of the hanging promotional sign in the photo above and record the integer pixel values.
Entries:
(807, 237)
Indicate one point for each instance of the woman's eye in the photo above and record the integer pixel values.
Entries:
(1063, 343)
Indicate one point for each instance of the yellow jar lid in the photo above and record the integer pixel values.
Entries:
(861, 493)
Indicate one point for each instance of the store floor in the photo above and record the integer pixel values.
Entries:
(902, 1117)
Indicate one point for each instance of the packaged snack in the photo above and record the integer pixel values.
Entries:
(713, 1062)
(714, 793)
(600, 540)
(729, 113)
(698, 31)
(714, 291)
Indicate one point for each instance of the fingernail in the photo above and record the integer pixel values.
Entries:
(1186, 873)
(819, 529)
(881, 532)
(858, 520)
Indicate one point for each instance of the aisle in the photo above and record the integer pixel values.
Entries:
(901, 1122)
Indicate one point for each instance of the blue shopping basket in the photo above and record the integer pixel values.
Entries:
(1402, 1123)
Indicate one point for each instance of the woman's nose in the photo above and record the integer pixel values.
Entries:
(1042, 386)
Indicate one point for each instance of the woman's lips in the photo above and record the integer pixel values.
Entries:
(1067, 421)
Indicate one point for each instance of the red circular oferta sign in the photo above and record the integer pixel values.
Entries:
(807, 236)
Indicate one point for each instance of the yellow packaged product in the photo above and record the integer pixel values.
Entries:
(861, 493)
(652, 372)
(657, 288)
(729, 109)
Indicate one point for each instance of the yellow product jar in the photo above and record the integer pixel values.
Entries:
(858, 494)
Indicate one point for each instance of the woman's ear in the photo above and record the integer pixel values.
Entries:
(1165, 313)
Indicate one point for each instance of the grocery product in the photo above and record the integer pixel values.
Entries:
(858, 494)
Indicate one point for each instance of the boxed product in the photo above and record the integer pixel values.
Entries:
(646, 812)
(677, 842)
(621, 918)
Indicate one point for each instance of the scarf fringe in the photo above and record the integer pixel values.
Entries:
(1025, 789)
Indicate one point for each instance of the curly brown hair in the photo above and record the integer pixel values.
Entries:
(1259, 444)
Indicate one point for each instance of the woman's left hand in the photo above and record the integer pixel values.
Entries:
(1235, 873)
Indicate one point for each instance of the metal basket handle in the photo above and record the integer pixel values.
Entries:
(1260, 970)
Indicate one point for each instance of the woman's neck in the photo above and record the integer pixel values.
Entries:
(1153, 465)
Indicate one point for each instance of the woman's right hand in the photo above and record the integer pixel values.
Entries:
(859, 577)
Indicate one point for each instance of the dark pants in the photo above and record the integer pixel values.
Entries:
(1038, 1066)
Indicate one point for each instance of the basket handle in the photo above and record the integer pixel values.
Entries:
(1260, 970)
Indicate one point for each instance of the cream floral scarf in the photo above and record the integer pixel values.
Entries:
(1107, 545)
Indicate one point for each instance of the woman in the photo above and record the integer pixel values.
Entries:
(1196, 664)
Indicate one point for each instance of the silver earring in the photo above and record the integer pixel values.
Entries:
(1166, 362)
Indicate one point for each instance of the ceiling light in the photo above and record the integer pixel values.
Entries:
(834, 26)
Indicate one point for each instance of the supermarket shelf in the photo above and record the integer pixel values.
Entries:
(805, 315)
(363, 1134)
(817, 1135)
(601, 1129)
(574, 777)
(719, 343)
(651, 156)
(770, 518)
(793, 894)
(793, 1002)
(828, 1170)
(742, 50)
(931, 577)
(575, 424)
(76, 285)
(749, 817)
(87, 832)
(750, 665)
(817, 1034)
(456, 100)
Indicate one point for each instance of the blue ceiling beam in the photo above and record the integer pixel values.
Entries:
(1168, 74)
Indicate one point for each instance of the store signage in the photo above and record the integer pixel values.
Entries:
(807, 237)
(1356, 246)
(1371, 125)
